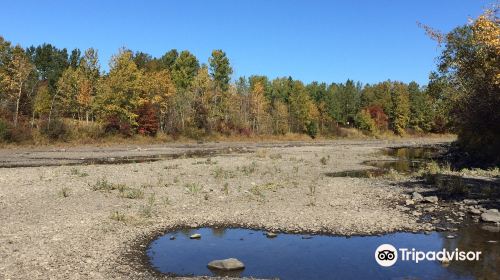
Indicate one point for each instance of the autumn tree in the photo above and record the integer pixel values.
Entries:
(204, 112)
(302, 109)
(400, 113)
(120, 94)
(160, 89)
(18, 72)
(258, 106)
(470, 65)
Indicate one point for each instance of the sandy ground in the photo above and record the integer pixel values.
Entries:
(56, 225)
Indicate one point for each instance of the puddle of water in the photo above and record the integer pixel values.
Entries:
(424, 152)
(408, 160)
(290, 256)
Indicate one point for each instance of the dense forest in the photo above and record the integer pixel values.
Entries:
(175, 94)
(50, 92)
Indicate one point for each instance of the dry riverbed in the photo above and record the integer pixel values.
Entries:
(92, 221)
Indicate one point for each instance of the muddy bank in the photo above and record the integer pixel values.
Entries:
(81, 221)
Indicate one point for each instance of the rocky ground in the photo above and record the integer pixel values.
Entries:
(94, 221)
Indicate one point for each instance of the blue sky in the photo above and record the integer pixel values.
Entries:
(328, 41)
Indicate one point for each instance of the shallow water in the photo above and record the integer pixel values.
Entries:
(290, 256)
(407, 160)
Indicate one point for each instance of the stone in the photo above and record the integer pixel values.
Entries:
(416, 196)
(490, 217)
(195, 236)
(227, 264)
(172, 237)
(431, 199)
(450, 236)
(409, 202)
(475, 211)
(307, 237)
(470, 201)
(271, 234)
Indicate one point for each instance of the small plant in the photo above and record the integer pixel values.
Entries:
(77, 172)
(103, 185)
(312, 189)
(132, 194)
(324, 160)
(146, 210)
(167, 201)
(117, 216)
(192, 188)
(275, 156)
(64, 192)
(312, 202)
(175, 166)
(220, 173)
(248, 169)
(255, 190)
(225, 189)
(296, 169)
(261, 153)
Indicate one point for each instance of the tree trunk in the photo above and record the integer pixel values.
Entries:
(51, 108)
(17, 103)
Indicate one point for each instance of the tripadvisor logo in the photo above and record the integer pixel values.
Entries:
(387, 255)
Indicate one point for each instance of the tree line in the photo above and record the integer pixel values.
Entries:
(40, 86)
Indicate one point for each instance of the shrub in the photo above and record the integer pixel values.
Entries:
(378, 116)
(365, 122)
(312, 129)
(5, 131)
(115, 125)
(55, 130)
(147, 120)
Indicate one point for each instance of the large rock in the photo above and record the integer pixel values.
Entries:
(491, 217)
(227, 264)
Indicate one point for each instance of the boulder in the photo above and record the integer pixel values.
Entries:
(490, 217)
(227, 264)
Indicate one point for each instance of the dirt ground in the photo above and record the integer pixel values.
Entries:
(84, 221)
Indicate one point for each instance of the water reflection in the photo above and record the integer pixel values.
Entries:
(477, 238)
(408, 160)
(289, 256)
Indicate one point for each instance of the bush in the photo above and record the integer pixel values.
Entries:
(147, 120)
(55, 130)
(312, 129)
(115, 125)
(5, 131)
(365, 122)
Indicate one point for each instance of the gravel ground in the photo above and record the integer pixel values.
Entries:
(94, 221)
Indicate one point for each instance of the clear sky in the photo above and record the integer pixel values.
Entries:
(328, 41)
